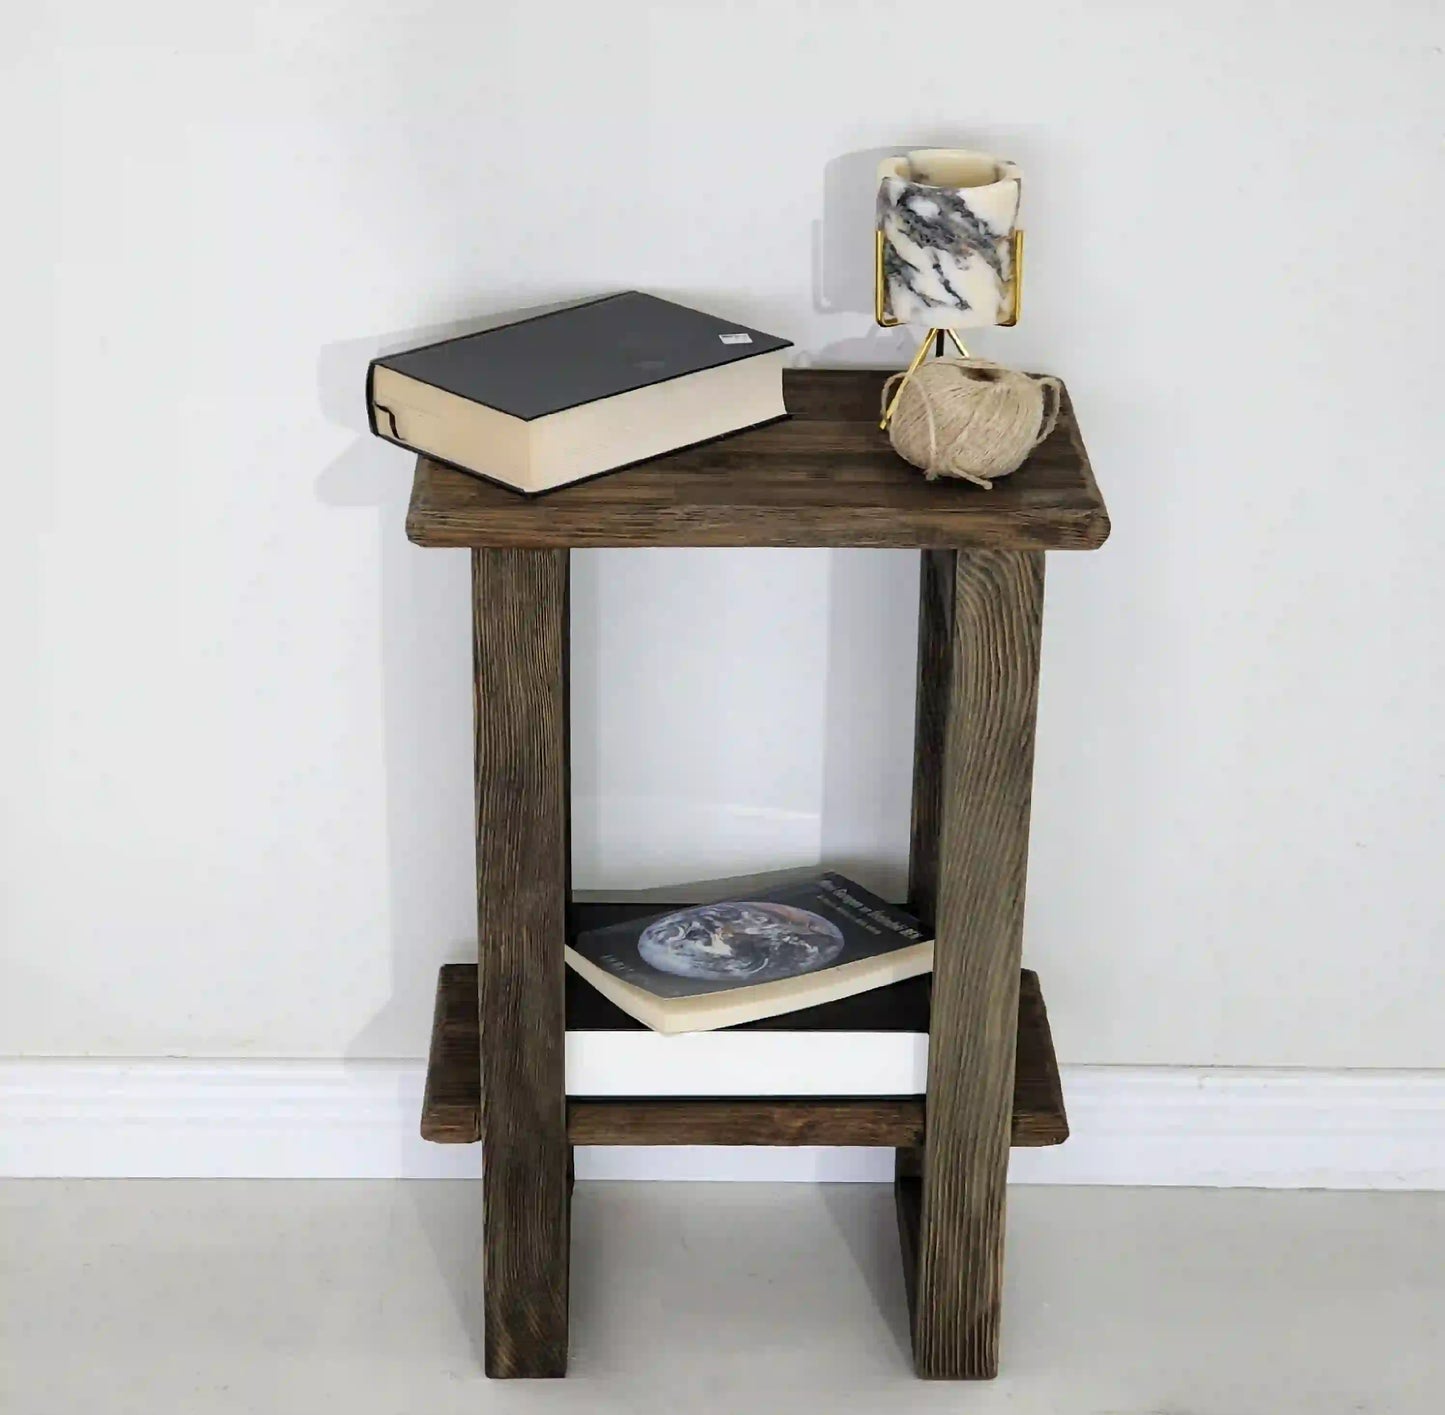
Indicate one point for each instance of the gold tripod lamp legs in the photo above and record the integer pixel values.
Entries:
(933, 336)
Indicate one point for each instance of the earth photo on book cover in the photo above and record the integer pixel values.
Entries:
(791, 935)
(750, 941)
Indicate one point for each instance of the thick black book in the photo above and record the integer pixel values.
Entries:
(561, 396)
(718, 965)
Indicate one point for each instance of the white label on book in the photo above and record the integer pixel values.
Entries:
(736, 338)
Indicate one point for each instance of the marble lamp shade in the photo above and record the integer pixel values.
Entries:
(946, 221)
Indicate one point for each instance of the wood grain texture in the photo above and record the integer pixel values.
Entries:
(519, 661)
(451, 1108)
(728, 1121)
(935, 669)
(982, 862)
(936, 580)
(908, 1204)
(451, 1111)
(825, 477)
(1039, 1117)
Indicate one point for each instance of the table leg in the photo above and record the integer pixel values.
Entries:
(520, 669)
(981, 614)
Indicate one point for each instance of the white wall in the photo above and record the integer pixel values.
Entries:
(235, 714)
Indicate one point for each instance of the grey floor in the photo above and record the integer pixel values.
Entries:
(363, 1297)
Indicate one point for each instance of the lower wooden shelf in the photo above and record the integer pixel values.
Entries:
(726, 1120)
(451, 1108)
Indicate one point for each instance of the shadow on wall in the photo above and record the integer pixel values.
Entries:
(872, 594)
(426, 695)
(843, 264)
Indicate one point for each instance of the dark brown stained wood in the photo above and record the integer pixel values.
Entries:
(935, 659)
(935, 671)
(727, 1121)
(519, 660)
(908, 1202)
(451, 1108)
(827, 476)
(451, 1113)
(982, 861)
(1039, 1117)
(935, 667)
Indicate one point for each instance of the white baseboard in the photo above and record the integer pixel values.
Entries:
(358, 1120)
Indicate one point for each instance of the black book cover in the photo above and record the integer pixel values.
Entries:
(580, 354)
(786, 932)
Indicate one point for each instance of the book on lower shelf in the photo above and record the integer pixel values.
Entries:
(711, 966)
(872, 1044)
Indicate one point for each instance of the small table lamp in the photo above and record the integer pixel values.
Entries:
(948, 247)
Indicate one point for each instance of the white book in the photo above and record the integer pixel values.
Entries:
(747, 1063)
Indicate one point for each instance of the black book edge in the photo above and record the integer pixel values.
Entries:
(381, 360)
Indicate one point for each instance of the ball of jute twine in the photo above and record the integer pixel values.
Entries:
(970, 418)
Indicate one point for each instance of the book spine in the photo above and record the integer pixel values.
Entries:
(371, 398)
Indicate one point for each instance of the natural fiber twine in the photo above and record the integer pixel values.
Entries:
(970, 418)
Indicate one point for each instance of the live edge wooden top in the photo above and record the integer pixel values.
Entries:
(824, 477)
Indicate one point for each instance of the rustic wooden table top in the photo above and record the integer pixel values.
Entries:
(824, 477)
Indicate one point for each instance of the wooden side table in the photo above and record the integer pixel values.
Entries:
(827, 477)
